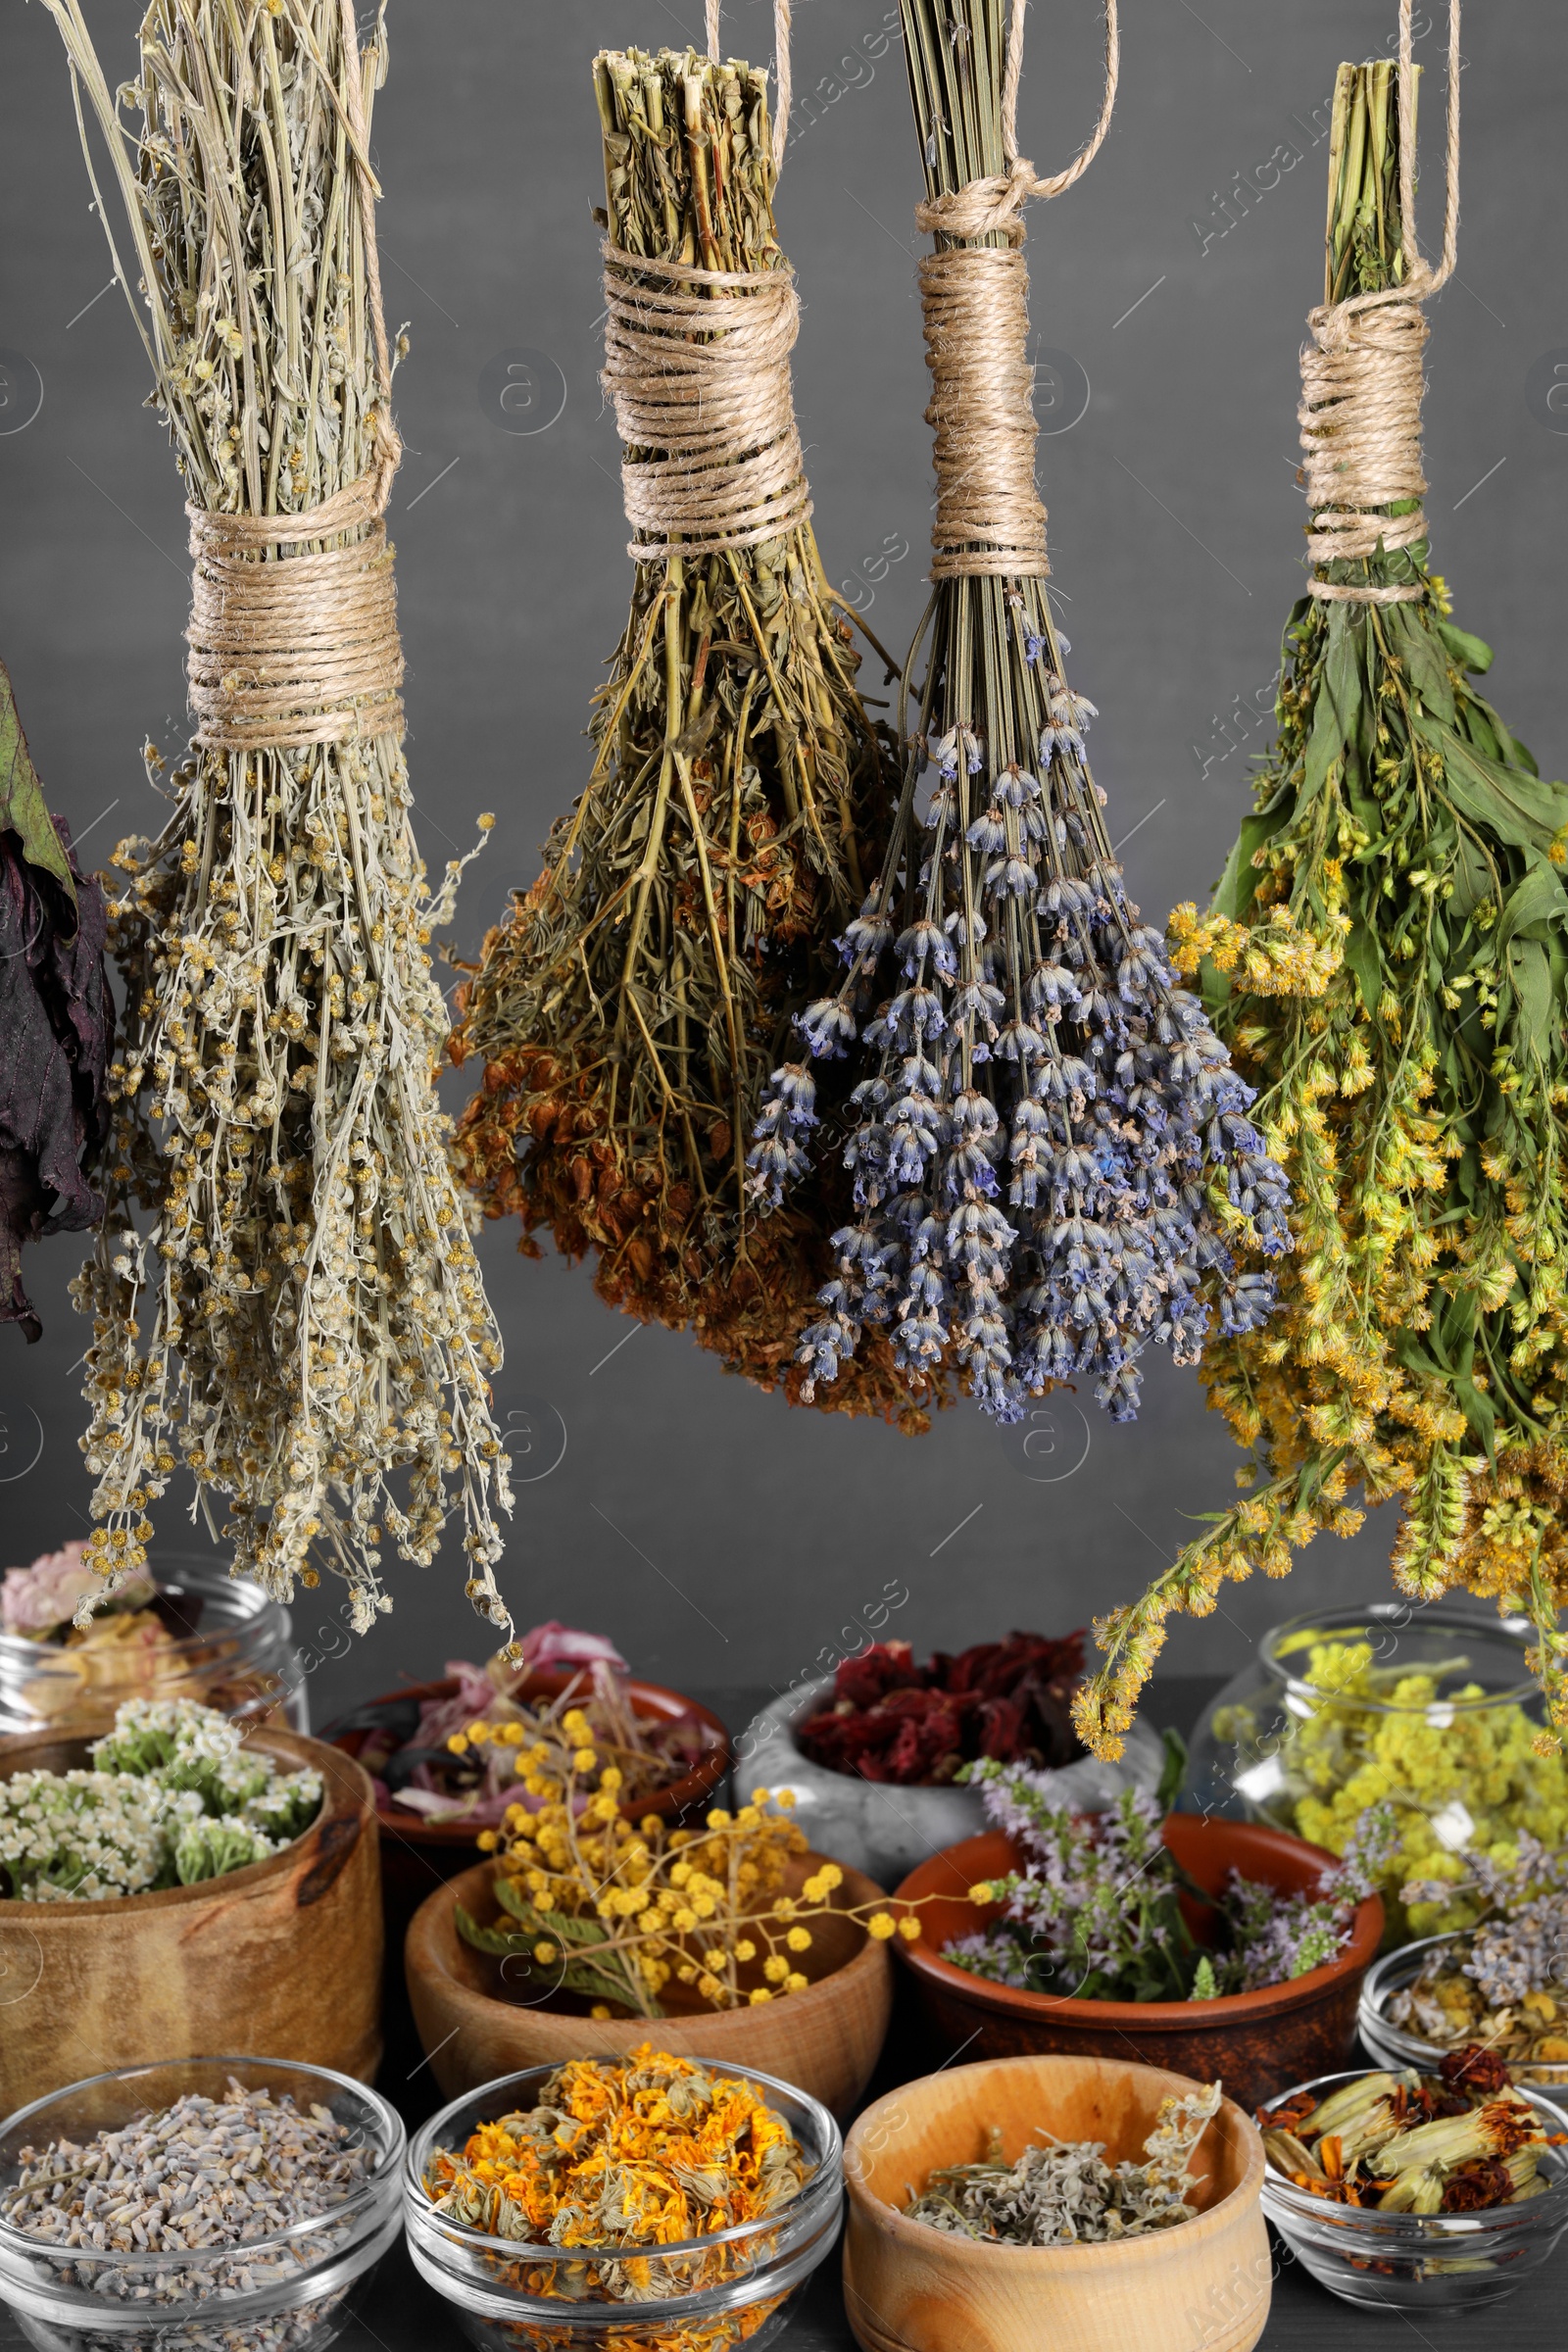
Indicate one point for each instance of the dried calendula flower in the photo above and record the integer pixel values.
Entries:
(296, 1309)
(647, 2151)
(624, 1907)
(1062, 2192)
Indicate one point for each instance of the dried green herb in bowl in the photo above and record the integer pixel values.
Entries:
(1063, 2192)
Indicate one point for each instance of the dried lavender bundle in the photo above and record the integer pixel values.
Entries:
(300, 1313)
(1052, 1158)
(56, 1023)
(631, 1004)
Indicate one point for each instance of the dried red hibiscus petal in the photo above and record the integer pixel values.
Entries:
(1475, 2067)
(893, 1720)
(57, 1020)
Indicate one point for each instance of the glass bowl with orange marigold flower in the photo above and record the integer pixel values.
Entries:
(652, 2203)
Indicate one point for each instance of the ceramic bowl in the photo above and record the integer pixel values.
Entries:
(886, 1829)
(1202, 2285)
(1254, 2042)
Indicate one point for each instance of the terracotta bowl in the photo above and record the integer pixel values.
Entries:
(419, 1855)
(1200, 2287)
(825, 2041)
(279, 1960)
(1257, 2043)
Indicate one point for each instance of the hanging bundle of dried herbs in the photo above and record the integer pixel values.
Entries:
(1051, 1157)
(631, 1003)
(300, 1313)
(56, 1023)
(1388, 955)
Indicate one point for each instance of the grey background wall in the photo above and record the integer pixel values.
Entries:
(719, 1537)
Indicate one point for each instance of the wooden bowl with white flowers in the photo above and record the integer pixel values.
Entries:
(279, 1960)
(825, 2040)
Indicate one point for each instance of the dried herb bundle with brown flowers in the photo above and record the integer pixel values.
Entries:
(1388, 959)
(299, 1314)
(56, 1023)
(631, 1003)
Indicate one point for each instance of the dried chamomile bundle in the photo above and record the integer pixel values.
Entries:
(1388, 954)
(299, 1312)
(1051, 1157)
(56, 1023)
(629, 1007)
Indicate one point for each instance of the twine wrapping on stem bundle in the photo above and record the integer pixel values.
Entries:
(974, 297)
(697, 366)
(1362, 380)
(291, 649)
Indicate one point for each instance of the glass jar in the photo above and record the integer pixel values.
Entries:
(1431, 1709)
(237, 1657)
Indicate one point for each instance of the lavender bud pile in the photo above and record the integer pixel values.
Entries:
(198, 2176)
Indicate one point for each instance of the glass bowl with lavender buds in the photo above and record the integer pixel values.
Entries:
(1412, 2192)
(196, 2205)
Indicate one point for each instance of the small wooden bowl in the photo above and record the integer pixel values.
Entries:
(1257, 2043)
(825, 2041)
(418, 1855)
(1202, 2286)
(279, 1960)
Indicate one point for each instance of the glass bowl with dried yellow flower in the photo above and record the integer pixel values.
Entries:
(544, 2205)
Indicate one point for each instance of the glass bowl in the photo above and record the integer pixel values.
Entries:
(1396, 2046)
(1414, 2262)
(1307, 1742)
(68, 2300)
(706, 2293)
(238, 1659)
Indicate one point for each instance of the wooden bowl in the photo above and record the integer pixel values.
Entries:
(825, 2041)
(1257, 2043)
(1200, 2287)
(279, 1960)
(419, 1855)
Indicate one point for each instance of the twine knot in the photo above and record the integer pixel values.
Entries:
(697, 368)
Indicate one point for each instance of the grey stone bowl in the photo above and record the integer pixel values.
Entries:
(883, 1830)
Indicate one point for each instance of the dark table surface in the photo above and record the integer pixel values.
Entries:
(399, 2312)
